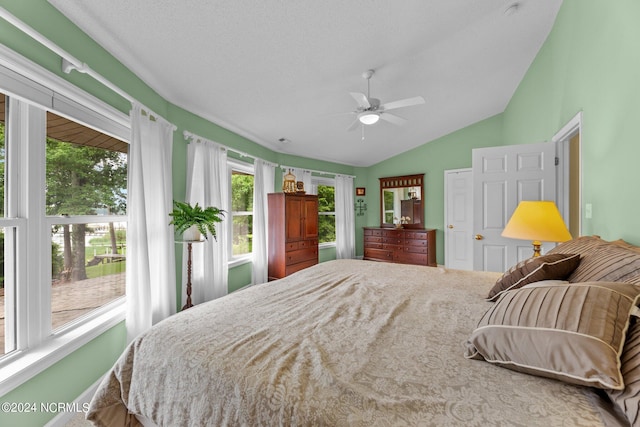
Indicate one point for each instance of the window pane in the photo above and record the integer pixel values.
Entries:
(327, 218)
(326, 228)
(241, 192)
(326, 198)
(242, 234)
(87, 267)
(242, 208)
(86, 170)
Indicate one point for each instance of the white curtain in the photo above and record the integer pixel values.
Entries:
(345, 219)
(151, 287)
(208, 185)
(263, 184)
(304, 176)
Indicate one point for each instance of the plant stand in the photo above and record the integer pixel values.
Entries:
(188, 303)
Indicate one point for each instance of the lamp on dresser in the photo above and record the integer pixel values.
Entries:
(539, 221)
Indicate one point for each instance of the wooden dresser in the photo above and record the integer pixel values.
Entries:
(293, 233)
(401, 245)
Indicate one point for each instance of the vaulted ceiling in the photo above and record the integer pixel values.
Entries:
(280, 72)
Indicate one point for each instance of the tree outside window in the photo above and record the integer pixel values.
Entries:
(242, 212)
(327, 214)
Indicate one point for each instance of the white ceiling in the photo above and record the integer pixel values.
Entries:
(271, 69)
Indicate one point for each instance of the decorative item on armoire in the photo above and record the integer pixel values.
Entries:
(289, 183)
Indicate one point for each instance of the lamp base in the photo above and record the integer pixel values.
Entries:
(536, 248)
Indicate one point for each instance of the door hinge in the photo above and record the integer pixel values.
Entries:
(557, 162)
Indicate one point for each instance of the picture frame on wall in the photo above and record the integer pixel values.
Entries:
(360, 191)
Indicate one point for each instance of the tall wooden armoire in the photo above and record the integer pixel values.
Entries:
(293, 233)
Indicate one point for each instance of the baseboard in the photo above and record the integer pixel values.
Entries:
(63, 418)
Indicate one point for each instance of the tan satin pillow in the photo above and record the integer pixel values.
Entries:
(574, 333)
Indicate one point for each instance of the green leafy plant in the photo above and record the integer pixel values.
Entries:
(184, 216)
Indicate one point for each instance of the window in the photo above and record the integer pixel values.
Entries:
(241, 208)
(63, 180)
(326, 210)
(86, 175)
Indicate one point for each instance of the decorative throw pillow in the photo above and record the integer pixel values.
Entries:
(582, 245)
(610, 263)
(628, 400)
(546, 267)
(573, 333)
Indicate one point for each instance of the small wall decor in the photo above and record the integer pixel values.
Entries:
(361, 207)
(360, 191)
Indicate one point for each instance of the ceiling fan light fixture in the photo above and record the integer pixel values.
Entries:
(368, 118)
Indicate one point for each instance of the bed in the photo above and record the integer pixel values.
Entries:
(361, 343)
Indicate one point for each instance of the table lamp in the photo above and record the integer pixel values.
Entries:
(539, 221)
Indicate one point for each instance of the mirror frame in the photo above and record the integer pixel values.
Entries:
(416, 180)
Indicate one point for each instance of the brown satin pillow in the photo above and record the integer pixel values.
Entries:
(546, 267)
(573, 333)
(628, 400)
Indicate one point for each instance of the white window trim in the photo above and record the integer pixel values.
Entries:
(38, 349)
(233, 164)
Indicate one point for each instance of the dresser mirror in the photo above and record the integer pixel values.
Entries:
(401, 201)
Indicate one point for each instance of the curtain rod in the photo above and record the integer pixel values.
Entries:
(315, 171)
(69, 62)
(197, 138)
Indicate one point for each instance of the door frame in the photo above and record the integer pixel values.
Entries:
(562, 138)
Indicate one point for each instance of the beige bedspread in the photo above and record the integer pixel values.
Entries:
(344, 343)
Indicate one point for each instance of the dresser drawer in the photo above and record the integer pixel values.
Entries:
(370, 232)
(378, 254)
(302, 244)
(290, 269)
(373, 245)
(294, 257)
(391, 233)
(372, 239)
(392, 240)
(411, 258)
(416, 249)
(409, 242)
(415, 235)
(291, 246)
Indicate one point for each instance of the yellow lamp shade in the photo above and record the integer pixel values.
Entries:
(538, 221)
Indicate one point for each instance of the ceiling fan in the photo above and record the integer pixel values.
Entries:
(370, 110)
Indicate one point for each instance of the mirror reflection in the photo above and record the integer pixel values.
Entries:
(401, 201)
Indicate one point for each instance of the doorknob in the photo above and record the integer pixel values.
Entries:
(450, 226)
(478, 237)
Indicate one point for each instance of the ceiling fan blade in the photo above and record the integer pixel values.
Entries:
(361, 99)
(408, 102)
(392, 118)
(354, 125)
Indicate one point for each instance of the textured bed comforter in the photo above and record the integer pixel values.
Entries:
(344, 343)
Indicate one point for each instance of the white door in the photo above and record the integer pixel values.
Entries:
(458, 214)
(502, 177)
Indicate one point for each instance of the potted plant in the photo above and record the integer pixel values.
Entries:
(193, 221)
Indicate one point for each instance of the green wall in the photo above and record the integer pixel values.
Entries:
(452, 151)
(589, 63)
